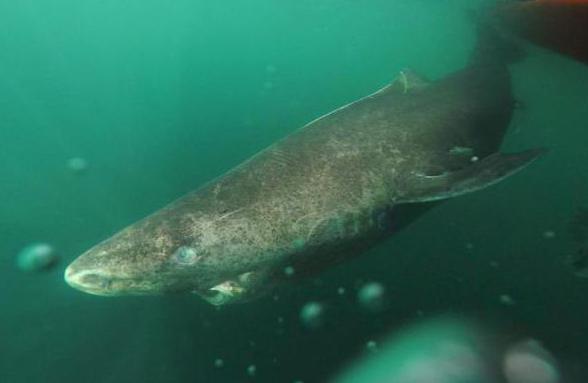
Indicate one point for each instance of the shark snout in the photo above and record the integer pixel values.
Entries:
(89, 281)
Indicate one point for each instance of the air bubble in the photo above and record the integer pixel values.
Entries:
(251, 370)
(36, 257)
(311, 314)
(507, 300)
(289, 271)
(77, 165)
(371, 296)
(371, 346)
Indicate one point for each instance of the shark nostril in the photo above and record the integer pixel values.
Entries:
(91, 279)
(95, 280)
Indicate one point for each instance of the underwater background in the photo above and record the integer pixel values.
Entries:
(160, 97)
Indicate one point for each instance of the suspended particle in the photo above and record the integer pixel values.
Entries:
(219, 363)
(371, 346)
(289, 271)
(371, 296)
(312, 314)
(341, 291)
(36, 257)
(251, 370)
(77, 165)
(549, 234)
(507, 300)
(268, 85)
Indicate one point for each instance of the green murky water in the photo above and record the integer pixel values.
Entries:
(159, 97)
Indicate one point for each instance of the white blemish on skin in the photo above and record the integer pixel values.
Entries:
(208, 235)
(314, 228)
(226, 215)
(306, 216)
(217, 189)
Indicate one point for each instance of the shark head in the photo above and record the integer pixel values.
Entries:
(170, 252)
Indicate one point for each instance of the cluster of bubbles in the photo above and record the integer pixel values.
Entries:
(251, 370)
(371, 297)
(450, 350)
(42, 256)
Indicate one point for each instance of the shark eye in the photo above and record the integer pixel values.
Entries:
(185, 255)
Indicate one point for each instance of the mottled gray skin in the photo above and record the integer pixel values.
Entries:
(322, 194)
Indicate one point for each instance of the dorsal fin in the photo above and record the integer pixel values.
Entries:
(408, 81)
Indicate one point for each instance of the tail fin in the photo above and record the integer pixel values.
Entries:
(493, 46)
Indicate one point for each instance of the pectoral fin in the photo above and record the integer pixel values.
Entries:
(479, 175)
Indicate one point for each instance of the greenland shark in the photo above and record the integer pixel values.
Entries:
(323, 194)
